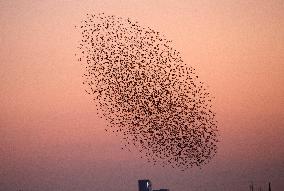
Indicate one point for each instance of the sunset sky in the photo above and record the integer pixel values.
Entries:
(51, 138)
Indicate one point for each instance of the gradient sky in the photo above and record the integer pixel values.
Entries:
(51, 138)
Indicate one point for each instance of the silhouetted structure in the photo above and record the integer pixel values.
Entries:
(269, 187)
(251, 187)
(145, 185)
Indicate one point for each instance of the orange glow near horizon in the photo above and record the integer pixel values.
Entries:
(50, 135)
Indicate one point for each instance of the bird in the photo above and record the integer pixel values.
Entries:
(146, 92)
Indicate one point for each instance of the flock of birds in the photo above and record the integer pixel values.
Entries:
(146, 93)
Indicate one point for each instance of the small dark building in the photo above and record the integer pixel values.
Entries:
(145, 185)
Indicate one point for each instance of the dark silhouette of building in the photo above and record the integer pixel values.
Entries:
(251, 187)
(145, 185)
(269, 187)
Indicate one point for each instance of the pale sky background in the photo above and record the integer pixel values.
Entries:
(51, 138)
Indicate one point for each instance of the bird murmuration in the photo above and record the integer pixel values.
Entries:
(146, 92)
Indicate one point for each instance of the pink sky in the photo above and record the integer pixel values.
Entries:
(51, 138)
